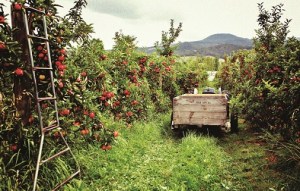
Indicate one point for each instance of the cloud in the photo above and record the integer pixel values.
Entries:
(136, 9)
(121, 8)
(162, 10)
(145, 19)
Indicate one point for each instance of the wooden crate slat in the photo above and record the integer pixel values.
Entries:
(185, 121)
(200, 109)
(215, 115)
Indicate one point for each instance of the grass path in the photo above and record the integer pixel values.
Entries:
(149, 157)
(251, 162)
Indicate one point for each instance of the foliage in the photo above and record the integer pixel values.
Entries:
(277, 73)
(234, 74)
(76, 28)
(19, 137)
(266, 79)
(15, 138)
(192, 73)
(165, 47)
(210, 63)
(94, 87)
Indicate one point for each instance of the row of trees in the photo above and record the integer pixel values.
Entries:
(266, 82)
(94, 87)
(266, 79)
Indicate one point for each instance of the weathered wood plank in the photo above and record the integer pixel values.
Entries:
(216, 115)
(202, 95)
(185, 121)
(200, 109)
(212, 99)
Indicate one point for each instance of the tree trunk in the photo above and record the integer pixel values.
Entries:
(23, 84)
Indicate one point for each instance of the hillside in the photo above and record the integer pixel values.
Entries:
(222, 38)
(215, 45)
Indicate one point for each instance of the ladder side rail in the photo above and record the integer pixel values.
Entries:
(51, 71)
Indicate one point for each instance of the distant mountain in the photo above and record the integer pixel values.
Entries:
(223, 38)
(216, 45)
(216, 51)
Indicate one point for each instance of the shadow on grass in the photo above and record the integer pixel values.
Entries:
(209, 131)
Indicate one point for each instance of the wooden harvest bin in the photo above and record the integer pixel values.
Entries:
(200, 110)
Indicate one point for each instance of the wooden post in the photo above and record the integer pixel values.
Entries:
(160, 80)
(23, 84)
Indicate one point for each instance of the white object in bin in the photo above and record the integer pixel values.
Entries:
(195, 91)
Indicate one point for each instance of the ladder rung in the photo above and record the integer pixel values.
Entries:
(46, 98)
(41, 68)
(35, 10)
(38, 37)
(66, 180)
(55, 155)
(51, 127)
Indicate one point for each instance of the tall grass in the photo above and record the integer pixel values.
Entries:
(148, 157)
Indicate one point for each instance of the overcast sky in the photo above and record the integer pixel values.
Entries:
(146, 19)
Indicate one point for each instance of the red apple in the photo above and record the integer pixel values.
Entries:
(126, 92)
(2, 19)
(18, 6)
(61, 58)
(62, 67)
(63, 51)
(116, 133)
(13, 147)
(40, 48)
(83, 74)
(19, 72)
(84, 132)
(60, 84)
(92, 115)
(110, 95)
(134, 102)
(76, 123)
(129, 114)
(58, 63)
(30, 119)
(103, 57)
(41, 55)
(2, 46)
(65, 112)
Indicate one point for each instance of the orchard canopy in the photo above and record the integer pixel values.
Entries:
(97, 87)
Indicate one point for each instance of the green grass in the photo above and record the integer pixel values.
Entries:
(249, 162)
(148, 156)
